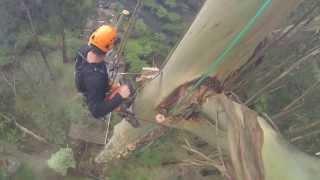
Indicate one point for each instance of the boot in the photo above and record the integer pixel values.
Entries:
(129, 117)
(134, 122)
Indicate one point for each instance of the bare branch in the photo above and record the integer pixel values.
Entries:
(314, 52)
(12, 84)
(25, 130)
(306, 92)
(313, 133)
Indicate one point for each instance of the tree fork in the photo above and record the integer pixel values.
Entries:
(255, 150)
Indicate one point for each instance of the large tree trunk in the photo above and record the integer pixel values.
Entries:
(247, 140)
(280, 160)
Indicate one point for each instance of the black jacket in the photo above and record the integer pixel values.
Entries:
(92, 80)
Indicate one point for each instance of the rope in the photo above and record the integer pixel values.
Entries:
(107, 127)
(235, 41)
(123, 43)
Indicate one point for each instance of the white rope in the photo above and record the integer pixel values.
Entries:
(107, 126)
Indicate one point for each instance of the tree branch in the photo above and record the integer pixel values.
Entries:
(25, 130)
(313, 52)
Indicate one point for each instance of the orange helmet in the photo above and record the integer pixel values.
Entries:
(103, 38)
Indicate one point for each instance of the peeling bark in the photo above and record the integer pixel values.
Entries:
(275, 157)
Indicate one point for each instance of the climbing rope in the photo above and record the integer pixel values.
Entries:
(107, 127)
(235, 41)
(115, 58)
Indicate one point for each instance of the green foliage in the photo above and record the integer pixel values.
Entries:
(141, 28)
(50, 19)
(174, 17)
(46, 112)
(7, 131)
(161, 12)
(4, 56)
(73, 43)
(172, 28)
(61, 14)
(118, 174)
(45, 104)
(62, 160)
(171, 3)
(150, 4)
(24, 38)
(24, 173)
(3, 175)
(10, 20)
(49, 41)
(145, 164)
(150, 158)
(135, 51)
(262, 104)
(153, 41)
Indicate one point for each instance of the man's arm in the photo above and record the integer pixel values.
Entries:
(98, 106)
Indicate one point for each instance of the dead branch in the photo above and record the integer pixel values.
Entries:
(205, 160)
(313, 133)
(25, 130)
(307, 92)
(12, 84)
(284, 113)
(314, 52)
(260, 52)
(305, 128)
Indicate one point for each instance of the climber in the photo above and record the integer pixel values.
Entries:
(91, 75)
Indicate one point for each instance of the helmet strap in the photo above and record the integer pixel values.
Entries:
(96, 50)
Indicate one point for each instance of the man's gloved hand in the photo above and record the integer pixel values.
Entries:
(114, 87)
(124, 91)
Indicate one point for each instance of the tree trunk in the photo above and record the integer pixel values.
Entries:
(246, 139)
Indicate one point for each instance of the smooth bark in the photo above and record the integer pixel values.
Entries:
(255, 151)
